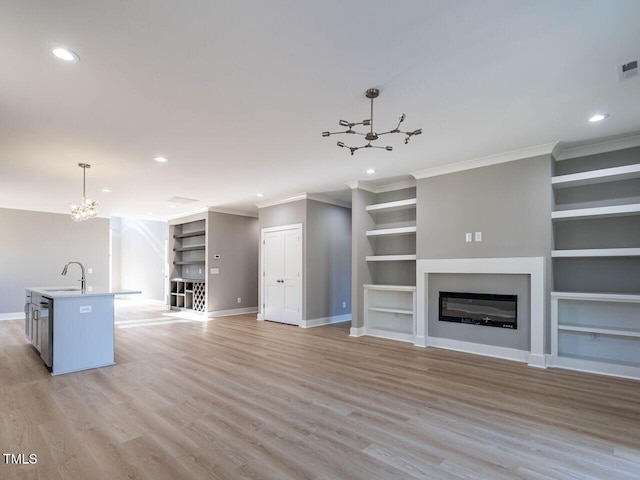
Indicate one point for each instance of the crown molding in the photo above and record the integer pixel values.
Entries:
(318, 197)
(231, 211)
(389, 187)
(186, 216)
(272, 203)
(305, 196)
(566, 153)
(545, 149)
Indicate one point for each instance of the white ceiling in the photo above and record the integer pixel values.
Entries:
(236, 94)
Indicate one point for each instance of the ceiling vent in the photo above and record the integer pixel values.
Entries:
(182, 200)
(628, 70)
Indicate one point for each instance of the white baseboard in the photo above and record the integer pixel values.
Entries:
(259, 317)
(356, 332)
(12, 316)
(420, 341)
(316, 322)
(232, 311)
(481, 349)
(538, 361)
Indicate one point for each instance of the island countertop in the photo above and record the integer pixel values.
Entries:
(69, 292)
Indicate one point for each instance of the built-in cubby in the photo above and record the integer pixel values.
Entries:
(596, 263)
(385, 233)
(188, 259)
(390, 311)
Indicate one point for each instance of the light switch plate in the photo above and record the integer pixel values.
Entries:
(468, 237)
(215, 271)
(478, 236)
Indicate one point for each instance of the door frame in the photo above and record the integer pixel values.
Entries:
(261, 273)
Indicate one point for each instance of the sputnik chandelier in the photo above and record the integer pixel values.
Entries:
(87, 208)
(371, 136)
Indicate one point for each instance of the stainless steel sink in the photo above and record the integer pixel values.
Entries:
(61, 289)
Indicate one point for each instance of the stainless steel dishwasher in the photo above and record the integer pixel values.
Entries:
(39, 326)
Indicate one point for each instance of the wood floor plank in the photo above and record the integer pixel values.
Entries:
(234, 398)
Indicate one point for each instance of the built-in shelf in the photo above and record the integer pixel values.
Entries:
(391, 310)
(390, 258)
(391, 206)
(391, 231)
(189, 248)
(190, 262)
(195, 233)
(609, 211)
(597, 176)
(597, 252)
(622, 332)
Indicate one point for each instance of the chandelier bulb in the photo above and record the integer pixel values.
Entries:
(340, 144)
(326, 134)
(388, 147)
(402, 117)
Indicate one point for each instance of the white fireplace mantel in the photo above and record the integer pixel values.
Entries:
(532, 266)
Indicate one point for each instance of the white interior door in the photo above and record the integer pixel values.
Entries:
(282, 274)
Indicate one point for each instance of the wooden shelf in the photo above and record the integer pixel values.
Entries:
(189, 248)
(620, 332)
(391, 310)
(195, 233)
(390, 258)
(391, 231)
(597, 176)
(596, 252)
(595, 212)
(391, 206)
(604, 297)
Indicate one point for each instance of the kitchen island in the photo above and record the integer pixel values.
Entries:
(72, 329)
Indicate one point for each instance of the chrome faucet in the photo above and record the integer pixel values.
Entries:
(83, 280)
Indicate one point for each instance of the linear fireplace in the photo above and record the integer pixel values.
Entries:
(488, 309)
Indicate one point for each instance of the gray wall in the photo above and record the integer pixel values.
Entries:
(328, 263)
(235, 238)
(326, 253)
(511, 205)
(35, 246)
(138, 250)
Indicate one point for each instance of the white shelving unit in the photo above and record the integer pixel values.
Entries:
(405, 204)
(390, 311)
(596, 332)
(187, 286)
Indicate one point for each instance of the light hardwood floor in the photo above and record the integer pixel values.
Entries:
(235, 398)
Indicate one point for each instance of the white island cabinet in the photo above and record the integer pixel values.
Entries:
(72, 330)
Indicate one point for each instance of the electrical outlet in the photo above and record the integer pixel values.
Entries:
(478, 236)
(344, 304)
(200, 271)
(239, 299)
(467, 237)
(89, 270)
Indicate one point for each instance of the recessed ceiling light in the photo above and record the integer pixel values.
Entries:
(173, 206)
(598, 117)
(371, 171)
(66, 55)
(106, 190)
(160, 159)
(260, 195)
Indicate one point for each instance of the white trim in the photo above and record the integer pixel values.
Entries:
(372, 188)
(356, 332)
(505, 157)
(232, 311)
(390, 334)
(480, 349)
(231, 211)
(293, 198)
(532, 266)
(259, 317)
(596, 148)
(293, 226)
(186, 217)
(391, 231)
(325, 199)
(317, 322)
(12, 316)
